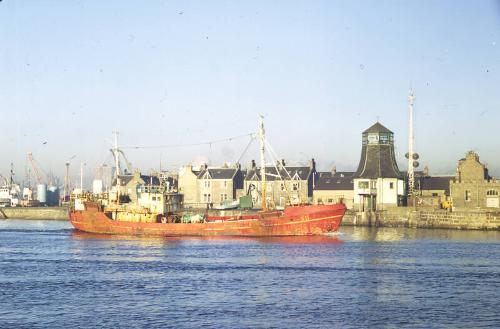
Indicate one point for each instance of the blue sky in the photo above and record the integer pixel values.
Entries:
(167, 72)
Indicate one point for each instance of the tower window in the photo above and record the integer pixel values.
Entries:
(467, 195)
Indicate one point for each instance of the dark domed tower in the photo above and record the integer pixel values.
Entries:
(378, 183)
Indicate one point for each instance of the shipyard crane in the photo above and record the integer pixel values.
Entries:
(6, 182)
(36, 169)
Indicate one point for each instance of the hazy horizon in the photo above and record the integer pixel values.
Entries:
(175, 73)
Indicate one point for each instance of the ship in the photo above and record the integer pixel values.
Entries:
(170, 220)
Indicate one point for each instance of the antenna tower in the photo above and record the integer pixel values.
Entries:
(411, 156)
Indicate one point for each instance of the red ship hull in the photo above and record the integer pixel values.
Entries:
(299, 220)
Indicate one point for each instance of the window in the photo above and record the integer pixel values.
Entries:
(434, 194)
(363, 185)
(492, 193)
(330, 200)
(224, 184)
(391, 186)
(223, 197)
(282, 186)
(467, 195)
(295, 186)
(207, 184)
(385, 138)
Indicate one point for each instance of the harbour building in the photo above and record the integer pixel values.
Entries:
(473, 188)
(378, 183)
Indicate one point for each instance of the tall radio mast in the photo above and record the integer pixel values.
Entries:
(411, 156)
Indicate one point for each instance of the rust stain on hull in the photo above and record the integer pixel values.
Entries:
(302, 220)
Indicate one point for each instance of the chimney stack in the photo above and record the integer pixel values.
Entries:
(312, 164)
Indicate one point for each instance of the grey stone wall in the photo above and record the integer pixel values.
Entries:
(408, 217)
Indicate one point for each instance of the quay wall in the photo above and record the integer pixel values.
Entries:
(396, 217)
(55, 213)
(409, 217)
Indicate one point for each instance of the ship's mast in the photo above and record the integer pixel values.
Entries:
(117, 170)
(262, 138)
(411, 172)
(66, 181)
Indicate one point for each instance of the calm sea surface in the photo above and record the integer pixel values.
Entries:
(54, 277)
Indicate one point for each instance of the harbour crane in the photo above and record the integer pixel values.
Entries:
(6, 182)
(38, 172)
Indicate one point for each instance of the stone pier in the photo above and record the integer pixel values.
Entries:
(409, 217)
(55, 213)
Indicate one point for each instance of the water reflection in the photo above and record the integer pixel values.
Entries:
(359, 278)
(386, 234)
(157, 241)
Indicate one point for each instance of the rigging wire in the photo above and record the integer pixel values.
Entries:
(271, 150)
(252, 138)
(210, 143)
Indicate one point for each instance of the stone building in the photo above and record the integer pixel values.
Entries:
(188, 185)
(132, 186)
(216, 185)
(432, 191)
(284, 184)
(333, 187)
(378, 183)
(472, 187)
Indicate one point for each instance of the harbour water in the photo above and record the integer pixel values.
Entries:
(54, 277)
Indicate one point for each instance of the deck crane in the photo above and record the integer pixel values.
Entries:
(130, 168)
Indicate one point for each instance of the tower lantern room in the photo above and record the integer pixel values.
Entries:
(378, 135)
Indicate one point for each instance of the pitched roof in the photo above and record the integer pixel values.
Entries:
(435, 183)
(378, 161)
(340, 181)
(377, 128)
(148, 180)
(218, 173)
(302, 172)
(124, 179)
